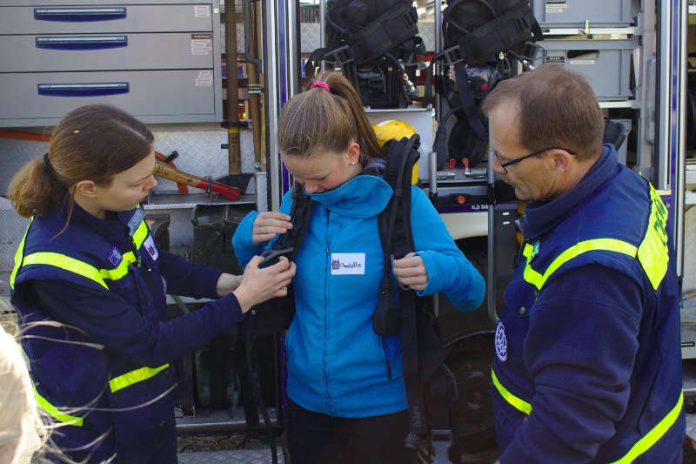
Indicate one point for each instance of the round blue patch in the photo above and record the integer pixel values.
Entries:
(500, 342)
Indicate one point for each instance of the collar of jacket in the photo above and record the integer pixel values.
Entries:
(360, 197)
(113, 228)
(540, 217)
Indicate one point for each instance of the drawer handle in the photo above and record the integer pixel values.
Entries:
(82, 42)
(79, 14)
(83, 90)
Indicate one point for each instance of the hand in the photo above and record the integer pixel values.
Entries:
(410, 272)
(227, 283)
(269, 224)
(259, 285)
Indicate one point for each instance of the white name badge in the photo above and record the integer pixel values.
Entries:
(347, 263)
(149, 245)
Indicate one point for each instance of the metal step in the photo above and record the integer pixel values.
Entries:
(263, 456)
(243, 456)
(218, 421)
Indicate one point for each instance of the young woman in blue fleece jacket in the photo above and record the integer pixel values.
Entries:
(89, 283)
(345, 383)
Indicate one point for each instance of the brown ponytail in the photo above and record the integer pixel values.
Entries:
(93, 142)
(330, 120)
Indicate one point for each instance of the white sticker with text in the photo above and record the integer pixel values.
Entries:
(347, 263)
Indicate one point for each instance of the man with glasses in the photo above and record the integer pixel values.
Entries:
(588, 361)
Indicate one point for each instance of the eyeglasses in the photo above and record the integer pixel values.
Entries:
(504, 164)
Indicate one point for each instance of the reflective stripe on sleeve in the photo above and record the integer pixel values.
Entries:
(515, 402)
(133, 377)
(657, 432)
(55, 412)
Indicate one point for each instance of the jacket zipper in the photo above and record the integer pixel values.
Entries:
(326, 310)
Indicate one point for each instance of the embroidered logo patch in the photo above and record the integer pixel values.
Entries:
(500, 342)
(347, 263)
(114, 256)
(149, 245)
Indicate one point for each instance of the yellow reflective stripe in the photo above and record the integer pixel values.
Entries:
(140, 234)
(76, 266)
(530, 275)
(66, 263)
(653, 252)
(120, 271)
(18, 256)
(515, 402)
(657, 432)
(597, 244)
(132, 377)
(56, 413)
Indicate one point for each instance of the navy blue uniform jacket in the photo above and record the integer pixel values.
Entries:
(93, 311)
(588, 361)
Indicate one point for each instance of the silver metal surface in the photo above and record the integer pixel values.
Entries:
(665, 84)
(177, 201)
(689, 255)
(272, 99)
(681, 92)
(242, 456)
(292, 37)
(646, 91)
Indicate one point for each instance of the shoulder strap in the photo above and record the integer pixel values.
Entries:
(271, 317)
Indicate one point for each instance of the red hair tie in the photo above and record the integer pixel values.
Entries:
(320, 84)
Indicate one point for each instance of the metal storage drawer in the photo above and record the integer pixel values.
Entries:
(153, 96)
(599, 13)
(103, 52)
(605, 63)
(106, 19)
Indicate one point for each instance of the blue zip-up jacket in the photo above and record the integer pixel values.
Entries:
(337, 364)
(93, 312)
(588, 361)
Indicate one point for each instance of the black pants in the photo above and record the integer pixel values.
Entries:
(319, 439)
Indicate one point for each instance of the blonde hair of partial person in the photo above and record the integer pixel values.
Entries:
(20, 423)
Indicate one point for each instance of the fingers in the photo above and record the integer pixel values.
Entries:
(254, 262)
(281, 273)
(410, 260)
(270, 223)
(411, 272)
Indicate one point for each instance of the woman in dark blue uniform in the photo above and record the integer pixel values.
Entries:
(89, 283)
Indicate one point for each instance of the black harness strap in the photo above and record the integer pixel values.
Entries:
(271, 317)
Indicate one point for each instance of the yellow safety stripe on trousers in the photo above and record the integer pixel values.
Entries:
(79, 267)
(605, 244)
(515, 402)
(55, 412)
(133, 377)
(657, 432)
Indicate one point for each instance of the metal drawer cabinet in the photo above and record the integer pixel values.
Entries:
(575, 13)
(32, 99)
(101, 19)
(605, 63)
(103, 52)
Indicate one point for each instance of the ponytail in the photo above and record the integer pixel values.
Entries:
(366, 137)
(329, 117)
(36, 189)
(92, 142)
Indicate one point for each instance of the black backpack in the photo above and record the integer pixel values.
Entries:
(412, 318)
(373, 43)
(475, 33)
